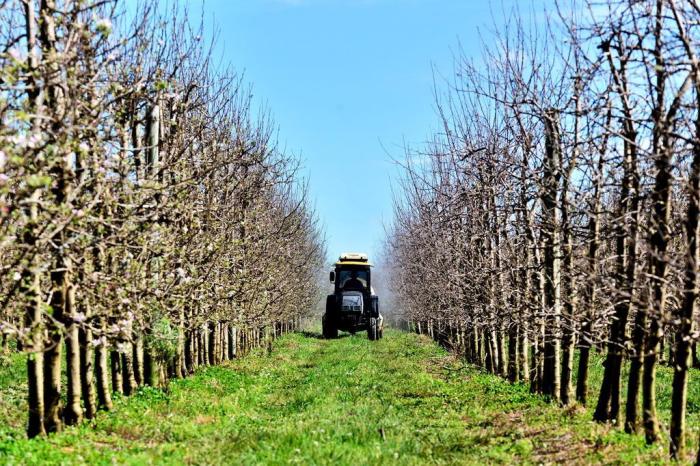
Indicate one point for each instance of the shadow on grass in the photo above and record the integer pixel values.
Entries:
(319, 336)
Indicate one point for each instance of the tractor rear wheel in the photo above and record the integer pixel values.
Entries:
(372, 329)
(329, 329)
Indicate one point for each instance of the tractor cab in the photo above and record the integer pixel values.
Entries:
(352, 271)
(353, 306)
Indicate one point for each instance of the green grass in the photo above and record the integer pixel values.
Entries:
(346, 401)
(664, 381)
(13, 393)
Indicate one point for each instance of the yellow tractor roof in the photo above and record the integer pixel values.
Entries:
(353, 258)
(366, 264)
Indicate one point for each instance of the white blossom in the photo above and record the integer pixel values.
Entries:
(104, 26)
(15, 54)
(101, 341)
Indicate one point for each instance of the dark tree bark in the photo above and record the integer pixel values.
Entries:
(591, 287)
(685, 344)
(608, 407)
(690, 298)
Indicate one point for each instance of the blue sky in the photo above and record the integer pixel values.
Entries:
(348, 81)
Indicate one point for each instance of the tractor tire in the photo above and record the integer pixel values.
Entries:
(330, 331)
(372, 329)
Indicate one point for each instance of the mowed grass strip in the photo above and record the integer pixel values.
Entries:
(401, 400)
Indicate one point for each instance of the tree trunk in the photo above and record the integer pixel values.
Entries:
(189, 353)
(211, 333)
(87, 365)
(232, 342)
(659, 242)
(52, 356)
(480, 347)
(35, 346)
(513, 365)
(59, 191)
(73, 412)
(238, 350)
(635, 375)
(684, 335)
(489, 350)
(127, 364)
(117, 372)
(104, 394)
(660, 224)
(226, 341)
(151, 367)
(31, 282)
(138, 360)
(591, 288)
(500, 346)
(551, 375)
(538, 358)
(180, 365)
(205, 345)
(608, 408)
(567, 279)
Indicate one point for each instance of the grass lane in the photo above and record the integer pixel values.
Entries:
(346, 401)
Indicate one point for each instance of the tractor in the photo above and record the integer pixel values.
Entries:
(353, 306)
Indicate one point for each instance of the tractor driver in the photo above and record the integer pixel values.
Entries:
(353, 283)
